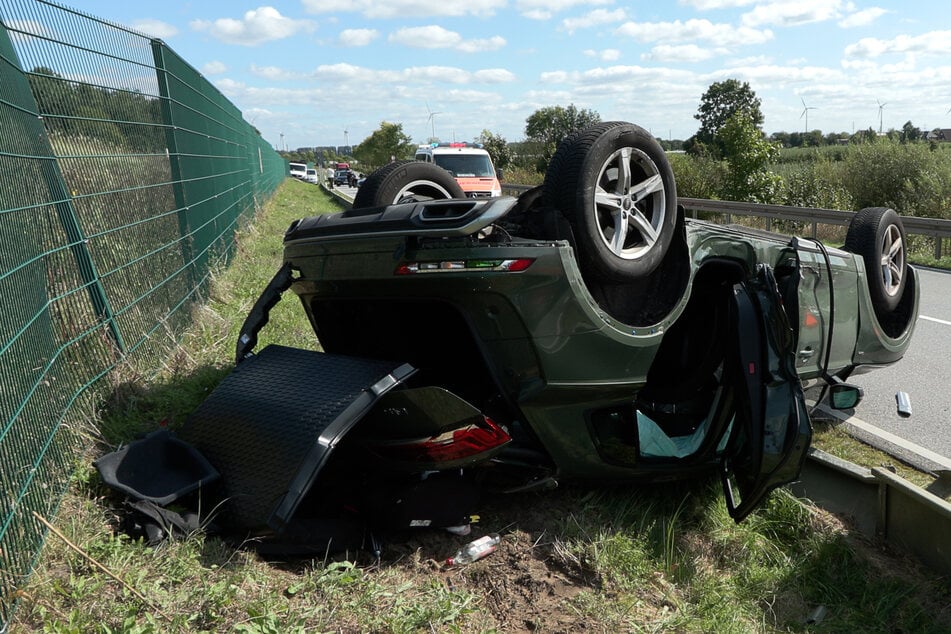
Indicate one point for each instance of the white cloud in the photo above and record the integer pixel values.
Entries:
(273, 73)
(862, 18)
(406, 8)
(214, 67)
(681, 53)
(606, 55)
(793, 12)
(155, 28)
(692, 30)
(493, 43)
(358, 37)
(432, 36)
(707, 5)
(545, 9)
(260, 25)
(594, 18)
(621, 76)
(933, 43)
(494, 76)
(435, 37)
(752, 60)
(342, 72)
(772, 74)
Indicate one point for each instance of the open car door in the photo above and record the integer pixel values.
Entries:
(771, 430)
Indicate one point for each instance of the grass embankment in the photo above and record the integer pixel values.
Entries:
(653, 558)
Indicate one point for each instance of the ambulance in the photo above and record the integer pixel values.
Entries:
(468, 163)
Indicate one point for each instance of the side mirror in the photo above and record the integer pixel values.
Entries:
(845, 395)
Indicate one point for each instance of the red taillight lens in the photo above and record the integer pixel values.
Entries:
(451, 446)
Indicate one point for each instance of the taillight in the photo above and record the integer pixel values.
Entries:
(513, 265)
(451, 446)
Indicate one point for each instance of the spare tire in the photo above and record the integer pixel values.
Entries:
(878, 236)
(614, 184)
(406, 182)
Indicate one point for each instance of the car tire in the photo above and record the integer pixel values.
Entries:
(405, 182)
(615, 175)
(878, 236)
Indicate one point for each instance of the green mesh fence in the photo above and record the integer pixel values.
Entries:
(123, 176)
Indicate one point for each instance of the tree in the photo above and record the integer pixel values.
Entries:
(748, 155)
(498, 149)
(383, 145)
(548, 126)
(722, 100)
(910, 133)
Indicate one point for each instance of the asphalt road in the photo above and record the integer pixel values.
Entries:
(924, 373)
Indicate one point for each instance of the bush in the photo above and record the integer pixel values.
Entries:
(698, 176)
(815, 184)
(907, 177)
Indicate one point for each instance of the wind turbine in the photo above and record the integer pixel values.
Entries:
(805, 113)
(431, 120)
(881, 106)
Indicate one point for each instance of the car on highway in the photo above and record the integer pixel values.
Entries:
(469, 163)
(311, 176)
(297, 170)
(342, 176)
(586, 330)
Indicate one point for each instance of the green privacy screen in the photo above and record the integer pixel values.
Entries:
(123, 176)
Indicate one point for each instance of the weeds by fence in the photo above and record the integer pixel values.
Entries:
(125, 174)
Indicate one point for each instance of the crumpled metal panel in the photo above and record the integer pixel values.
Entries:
(272, 423)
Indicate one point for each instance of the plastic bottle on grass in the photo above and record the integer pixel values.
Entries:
(475, 550)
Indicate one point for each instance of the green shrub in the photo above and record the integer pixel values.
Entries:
(815, 184)
(909, 177)
(698, 176)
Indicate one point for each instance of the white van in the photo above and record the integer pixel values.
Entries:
(298, 170)
(468, 163)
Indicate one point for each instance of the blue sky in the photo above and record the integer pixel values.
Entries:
(327, 72)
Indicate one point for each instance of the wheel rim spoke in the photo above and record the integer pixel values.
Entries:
(652, 185)
(607, 200)
(620, 232)
(648, 231)
(624, 172)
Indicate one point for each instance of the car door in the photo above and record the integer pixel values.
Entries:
(771, 432)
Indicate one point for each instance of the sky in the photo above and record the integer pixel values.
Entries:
(328, 72)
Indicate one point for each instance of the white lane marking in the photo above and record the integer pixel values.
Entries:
(935, 319)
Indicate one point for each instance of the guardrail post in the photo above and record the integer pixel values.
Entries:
(937, 247)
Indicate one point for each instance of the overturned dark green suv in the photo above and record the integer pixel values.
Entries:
(586, 329)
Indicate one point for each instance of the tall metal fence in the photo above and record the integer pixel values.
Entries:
(123, 175)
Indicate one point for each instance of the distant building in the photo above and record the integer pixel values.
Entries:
(939, 134)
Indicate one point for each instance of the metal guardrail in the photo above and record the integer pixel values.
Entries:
(938, 229)
(880, 504)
